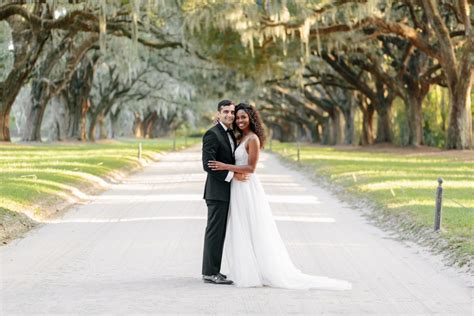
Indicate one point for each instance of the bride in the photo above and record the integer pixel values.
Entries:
(255, 251)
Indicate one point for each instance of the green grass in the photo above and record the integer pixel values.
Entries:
(32, 175)
(402, 185)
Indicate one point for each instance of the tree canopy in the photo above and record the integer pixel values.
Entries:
(353, 72)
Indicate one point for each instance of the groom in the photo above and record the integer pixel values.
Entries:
(218, 144)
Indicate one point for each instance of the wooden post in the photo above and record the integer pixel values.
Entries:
(270, 140)
(297, 131)
(174, 142)
(298, 151)
(139, 151)
(439, 201)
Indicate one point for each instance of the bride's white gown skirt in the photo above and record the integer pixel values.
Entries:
(254, 249)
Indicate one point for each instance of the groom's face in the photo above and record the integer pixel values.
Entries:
(226, 115)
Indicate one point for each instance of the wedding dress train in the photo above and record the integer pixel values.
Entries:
(254, 249)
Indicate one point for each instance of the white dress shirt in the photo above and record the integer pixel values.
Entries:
(230, 175)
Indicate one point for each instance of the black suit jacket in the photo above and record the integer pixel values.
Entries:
(216, 146)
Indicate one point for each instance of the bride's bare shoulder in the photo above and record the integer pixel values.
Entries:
(254, 138)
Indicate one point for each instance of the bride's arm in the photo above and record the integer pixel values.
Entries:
(254, 152)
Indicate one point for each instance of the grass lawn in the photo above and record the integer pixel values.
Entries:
(403, 184)
(35, 176)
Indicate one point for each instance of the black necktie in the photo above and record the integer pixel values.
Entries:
(231, 133)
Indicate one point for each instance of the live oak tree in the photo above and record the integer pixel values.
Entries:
(45, 86)
(441, 31)
(77, 93)
(33, 26)
(378, 50)
(28, 39)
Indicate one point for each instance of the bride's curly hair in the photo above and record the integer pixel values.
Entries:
(256, 124)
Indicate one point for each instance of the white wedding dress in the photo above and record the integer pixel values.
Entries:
(254, 250)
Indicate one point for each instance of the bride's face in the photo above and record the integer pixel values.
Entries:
(242, 120)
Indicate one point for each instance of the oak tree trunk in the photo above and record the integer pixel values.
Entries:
(39, 100)
(78, 91)
(138, 125)
(367, 137)
(415, 120)
(28, 46)
(384, 122)
(459, 134)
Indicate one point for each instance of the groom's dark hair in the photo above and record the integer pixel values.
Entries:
(224, 103)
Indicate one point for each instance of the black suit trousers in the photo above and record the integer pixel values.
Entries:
(217, 212)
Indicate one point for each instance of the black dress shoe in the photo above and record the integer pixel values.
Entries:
(222, 275)
(216, 279)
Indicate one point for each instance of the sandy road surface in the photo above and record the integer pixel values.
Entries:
(137, 249)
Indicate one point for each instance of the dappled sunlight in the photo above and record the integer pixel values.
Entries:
(304, 219)
(74, 174)
(37, 179)
(171, 166)
(415, 184)
(16, 206)
(293, 199)
(300, 212)
(287, 183)
(401, 184)
(341, 156)
(307, 219)
(149, 197)
(277, 178)
(52, 164)
(33, 156)
(136, 186)
(458, 203)
(404, 173)
(30, 187)
(165, 179)
(281, 184)
(34, 190)
(40, 185)
(329, 245)
(124, 220)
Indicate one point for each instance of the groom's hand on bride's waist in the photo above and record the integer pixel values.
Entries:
(241, 176)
